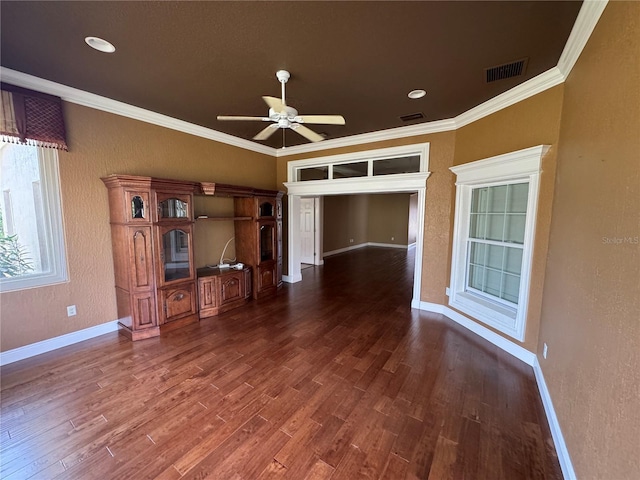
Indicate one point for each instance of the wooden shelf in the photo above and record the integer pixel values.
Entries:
(222, 219)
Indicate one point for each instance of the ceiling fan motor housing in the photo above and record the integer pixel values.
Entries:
(289, 113)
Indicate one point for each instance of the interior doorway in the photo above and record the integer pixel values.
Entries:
(321, 176)
(311, 230)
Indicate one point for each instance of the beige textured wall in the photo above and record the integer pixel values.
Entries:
(101, 144)
(365, 218)
(591, 302)
(388, 219)
(345, 219)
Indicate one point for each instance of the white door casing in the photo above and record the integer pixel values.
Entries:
(405, 182)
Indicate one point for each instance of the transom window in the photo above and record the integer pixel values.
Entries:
(370, 167)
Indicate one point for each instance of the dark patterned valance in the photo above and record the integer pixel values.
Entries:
(31, 117)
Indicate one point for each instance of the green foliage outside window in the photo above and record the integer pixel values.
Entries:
(14, 259)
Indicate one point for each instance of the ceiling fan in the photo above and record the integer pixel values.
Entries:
(285, 116)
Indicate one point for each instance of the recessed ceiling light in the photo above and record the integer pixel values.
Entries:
(417, 94)
(100, 44)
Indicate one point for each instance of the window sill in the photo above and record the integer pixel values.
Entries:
(31, 281)
(500, 317)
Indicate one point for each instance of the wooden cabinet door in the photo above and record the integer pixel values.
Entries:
(137, 208)
(171, 206)
(267, 241)
(144, 311)
(140, 253)
(266, 207)
(175, 253)
(279, 253)
(207, 290)
(231, 287)
(178, 302)
(266, 276)
(248, 282)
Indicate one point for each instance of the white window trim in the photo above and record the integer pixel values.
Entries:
(52, 213)
(520, 166)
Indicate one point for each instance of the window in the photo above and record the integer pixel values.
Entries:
(385, 162)
(391, 166)
(31, 236)
(496, 202)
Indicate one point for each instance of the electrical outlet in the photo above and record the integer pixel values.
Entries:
(393, 238)
(351, 240)
(71, 310)
(447, 292)
(544, 350)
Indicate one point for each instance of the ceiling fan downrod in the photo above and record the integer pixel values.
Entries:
(283, 76)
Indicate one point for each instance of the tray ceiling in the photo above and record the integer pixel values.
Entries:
(196, 60)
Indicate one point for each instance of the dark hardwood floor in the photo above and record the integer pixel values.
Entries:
(335, 378)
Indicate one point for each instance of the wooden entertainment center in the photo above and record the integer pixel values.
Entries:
(158, 286)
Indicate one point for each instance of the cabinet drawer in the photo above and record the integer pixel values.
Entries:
(178, 302)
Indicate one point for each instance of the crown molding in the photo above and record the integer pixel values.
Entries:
(379, 136)
(586, 22)
(588, 17)
(531, 87)
(91, 100)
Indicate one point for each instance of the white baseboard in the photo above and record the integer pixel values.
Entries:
(554, 425)
(342, 250)
(366, 244)
(508, 346)
(387, 245)
(50, 344)
(292, 278)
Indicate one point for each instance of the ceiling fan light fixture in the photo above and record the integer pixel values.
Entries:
(414, 94)
(100, 44)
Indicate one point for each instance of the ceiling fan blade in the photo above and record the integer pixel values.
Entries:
(238, 117)
(267, 132)
(274, 103)
(307, 132)
(324, 119)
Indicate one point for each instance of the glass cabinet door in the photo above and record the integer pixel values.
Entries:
(266, 208)
(267, 242)
(137, 207)
(175, 257)
(173, 208)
